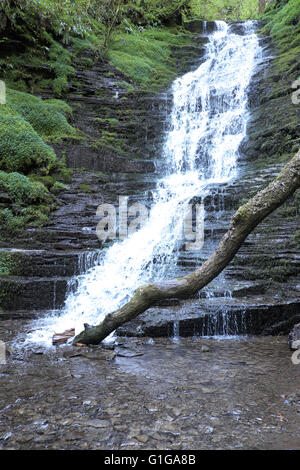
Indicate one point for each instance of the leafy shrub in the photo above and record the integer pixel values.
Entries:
(283, 23)
(47, 118)
(30, 203)
(22, 190)
(24, 122)
(21, 148)
(9, 224)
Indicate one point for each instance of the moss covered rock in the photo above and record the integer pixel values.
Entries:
(21, 148)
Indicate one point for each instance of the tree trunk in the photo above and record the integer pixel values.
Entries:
(246, 218)
(262, 6)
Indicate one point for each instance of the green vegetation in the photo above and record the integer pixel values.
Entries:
(42, 42)
(11, 263)
(283, 24)
(29, 203)
(47, 117)
(145, 55)
(26, 122)
(28, 165)
(86, 188)
(281, 136)
(228, 10)
(22, 149)
(21, 190)
(137, 36)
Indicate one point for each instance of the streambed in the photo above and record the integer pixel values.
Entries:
(191, 393)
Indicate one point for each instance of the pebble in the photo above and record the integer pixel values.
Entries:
(97, 423)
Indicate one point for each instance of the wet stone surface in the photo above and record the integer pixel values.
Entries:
(192, 393)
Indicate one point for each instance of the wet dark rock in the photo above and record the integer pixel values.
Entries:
(208, 317)
(237, 28)
(200, 27)
(127, 353)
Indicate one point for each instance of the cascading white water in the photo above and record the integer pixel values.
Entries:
(207, 125)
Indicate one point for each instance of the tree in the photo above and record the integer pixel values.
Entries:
(111, 13)
(246, 218)
(262, 6)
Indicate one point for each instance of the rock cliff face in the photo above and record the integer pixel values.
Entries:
(119, 154)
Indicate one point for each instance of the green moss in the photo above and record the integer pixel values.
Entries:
(21, 148)
(64, 173)
(59, 105)
(86, 188)
(30, 203)
(47, 181)
(58, 187)
(22, 190)
(25, 123)
(110, 141)
(11, 263)
(283, 24)
(47, 117)
(109, 121)
(91, 42)
(60, 63)
(146, 56)
(125, 85)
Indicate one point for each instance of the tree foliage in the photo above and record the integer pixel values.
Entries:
(67, 18)
(230, 10)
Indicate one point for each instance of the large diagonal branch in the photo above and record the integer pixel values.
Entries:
(246, 218)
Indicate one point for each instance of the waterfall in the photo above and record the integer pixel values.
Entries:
(206, 127)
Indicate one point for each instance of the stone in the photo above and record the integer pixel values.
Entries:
(60, 338)
(141, 438)
(97, 423)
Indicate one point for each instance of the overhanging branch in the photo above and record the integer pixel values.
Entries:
(246, 218)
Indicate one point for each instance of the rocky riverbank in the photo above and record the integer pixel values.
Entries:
(145, 394)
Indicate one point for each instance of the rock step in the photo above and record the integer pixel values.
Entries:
(20, 293)
(48, 264)
(26, 314)
(208, 317)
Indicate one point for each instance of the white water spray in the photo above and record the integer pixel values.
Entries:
(207, 126)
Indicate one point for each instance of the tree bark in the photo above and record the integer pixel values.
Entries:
(246, 218)
(262, 5)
